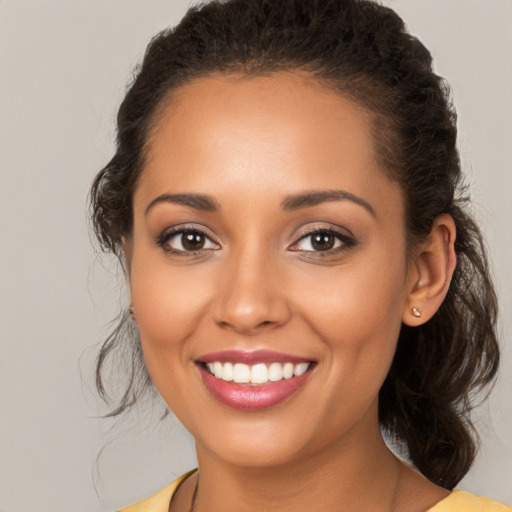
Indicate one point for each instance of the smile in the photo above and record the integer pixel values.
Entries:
(253, 381)
(257, 374)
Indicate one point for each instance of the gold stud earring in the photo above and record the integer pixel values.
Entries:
(416, 312)
(131, 310)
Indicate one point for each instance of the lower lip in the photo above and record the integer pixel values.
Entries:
(248, 397)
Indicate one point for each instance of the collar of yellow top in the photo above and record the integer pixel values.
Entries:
(462, 501)
(159, 502)
(457, 501)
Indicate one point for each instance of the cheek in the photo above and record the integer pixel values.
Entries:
(357, 311)
(368, 289)
(169, 304)
(168, 310)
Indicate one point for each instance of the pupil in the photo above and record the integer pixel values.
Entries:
(192, 241)
(323, 241)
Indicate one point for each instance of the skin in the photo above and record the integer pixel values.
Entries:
(250, 144)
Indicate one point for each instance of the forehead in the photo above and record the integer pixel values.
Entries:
(293, 102)
(277, 133)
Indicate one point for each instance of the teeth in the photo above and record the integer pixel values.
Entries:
(288, 370)
(300, 369)
(217, 370)
(241, 373)
(227, 372)
(258, 374)
(275, 372)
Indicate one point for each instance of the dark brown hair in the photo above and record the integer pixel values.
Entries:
(362, 50)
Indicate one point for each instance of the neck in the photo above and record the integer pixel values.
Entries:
(337, 478)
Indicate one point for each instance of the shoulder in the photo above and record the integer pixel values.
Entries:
(462, 501)
(160, 501)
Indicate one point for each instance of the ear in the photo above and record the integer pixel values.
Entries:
(430, 272)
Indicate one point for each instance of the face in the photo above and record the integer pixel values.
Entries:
(269, 248)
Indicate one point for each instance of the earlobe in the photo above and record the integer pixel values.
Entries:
(430, 272)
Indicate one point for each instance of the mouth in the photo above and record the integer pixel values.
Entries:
(253, 380)
(258, 374)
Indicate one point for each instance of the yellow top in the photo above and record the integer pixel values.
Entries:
(160, 501)
(457, 501)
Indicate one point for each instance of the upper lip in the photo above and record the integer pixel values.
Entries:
(251, 357)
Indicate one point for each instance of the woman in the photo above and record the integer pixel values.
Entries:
(302, 270)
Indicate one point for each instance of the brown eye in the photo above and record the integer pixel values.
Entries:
(322, 241)
(187, 240)
(192, 240)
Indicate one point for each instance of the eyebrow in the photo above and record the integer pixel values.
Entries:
(295, 202)
(197, 201)
(316, 197)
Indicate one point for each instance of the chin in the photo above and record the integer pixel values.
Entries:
(254, 452)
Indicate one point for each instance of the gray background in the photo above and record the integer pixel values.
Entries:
(63, 69)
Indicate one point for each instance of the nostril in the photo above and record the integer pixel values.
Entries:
(245, 327)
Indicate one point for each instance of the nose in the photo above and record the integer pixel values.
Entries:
(251, 296)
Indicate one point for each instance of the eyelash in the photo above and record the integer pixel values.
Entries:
(347, 242)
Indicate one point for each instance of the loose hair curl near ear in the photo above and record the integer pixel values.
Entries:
(361, 50)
